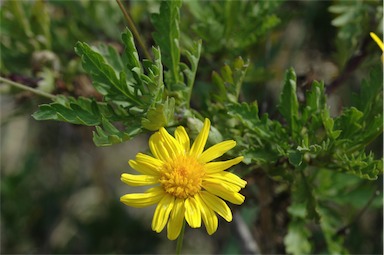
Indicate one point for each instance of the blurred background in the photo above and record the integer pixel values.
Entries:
(60, 193)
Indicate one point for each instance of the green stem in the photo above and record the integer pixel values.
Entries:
(24, 87)
(132, 27)
(180, 240)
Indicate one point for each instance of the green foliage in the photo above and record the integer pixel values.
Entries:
(353, 19)
(167, 37)
(288, 102)
(321, 159)
(229, 81)
(167, 34)
(131, 93)
(225, 24)
(23, 21)
(310, 139)
(135, 89)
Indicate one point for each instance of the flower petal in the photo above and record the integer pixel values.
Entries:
(183, 138)
(227, 177)
(221, 191)
(377, 40)
(192, 213)
(173, 146)
(226, 185)
(139, 180)
(176, 219)
(146, 164)
(217, 205)
(139, 200)
(208, 215)
(217, 150)
(157, 148)
(201, 139)
(214, 167)
(162, 211)
(141, 157)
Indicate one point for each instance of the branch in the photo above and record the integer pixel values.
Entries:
(248, 244)
(24, 87)
(344, 229)
(132, 27)
(352, 64)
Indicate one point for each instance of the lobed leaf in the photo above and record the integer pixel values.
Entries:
(166, 36)
(106, 79)
(108, 134)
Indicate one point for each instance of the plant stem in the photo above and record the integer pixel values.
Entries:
(132, 27)
(24, 87)
(342, 230)
(180, 240)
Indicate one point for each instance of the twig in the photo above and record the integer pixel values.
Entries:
(352, 64)
(248, 243)
(132, 27)
(343, 230)
(24, 87)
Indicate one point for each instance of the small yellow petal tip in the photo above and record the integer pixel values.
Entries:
(377, 40)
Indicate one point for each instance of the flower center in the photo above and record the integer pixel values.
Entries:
(182, 176)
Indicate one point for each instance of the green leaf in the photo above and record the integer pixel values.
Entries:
(295, 158)
(349, 123)
(359, 164)
(302, 195)
(315, 103)
(330, 223)
(78, 111)
(151, 85)
(193, 56)
(289, 106)
(41, 22)
(297, 239)
(229, 81)
(109, 134)
(328, 125)
(248, 114)
(159, 116)
(370, 98)
(105, 78)
(303, 207)
(130, 57)
(166, 36)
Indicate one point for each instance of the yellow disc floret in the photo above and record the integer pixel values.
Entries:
(182, 177)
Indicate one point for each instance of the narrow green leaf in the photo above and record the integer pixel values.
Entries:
(131, 57)
(166, 36)
(289, 106)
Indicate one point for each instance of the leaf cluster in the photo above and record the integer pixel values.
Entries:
(306, 140)
(232, 25)
(306, 134)
(137, 94)
(353, 19)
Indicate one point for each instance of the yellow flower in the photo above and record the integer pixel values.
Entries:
(186, 184)
(379, 42)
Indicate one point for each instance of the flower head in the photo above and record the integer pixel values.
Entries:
(186, 184)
